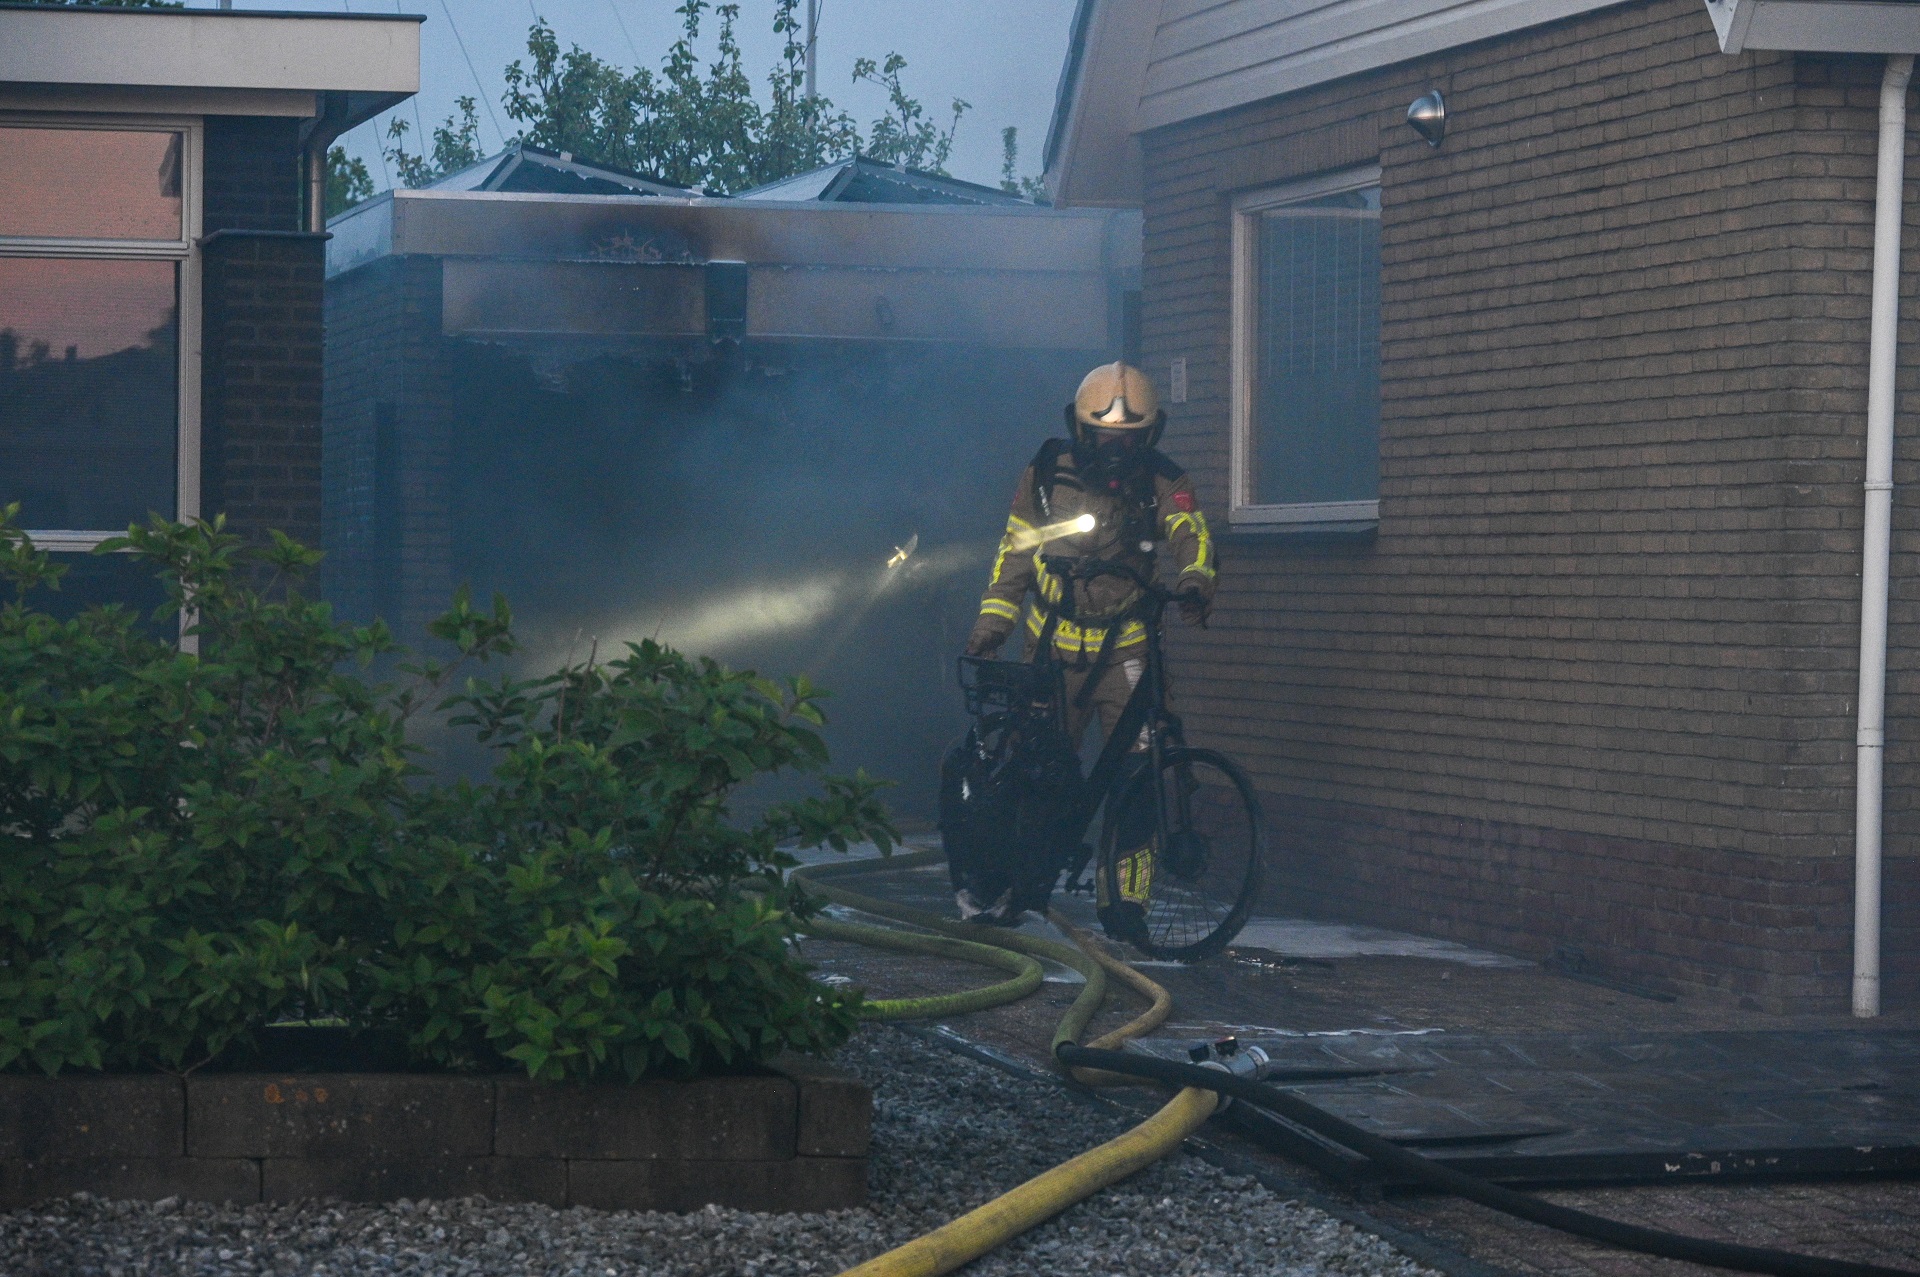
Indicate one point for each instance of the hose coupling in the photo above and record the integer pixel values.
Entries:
(1229, 1056)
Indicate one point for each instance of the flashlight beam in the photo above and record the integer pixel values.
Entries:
(1053, 532)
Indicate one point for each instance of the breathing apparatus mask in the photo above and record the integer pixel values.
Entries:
(1114, 421)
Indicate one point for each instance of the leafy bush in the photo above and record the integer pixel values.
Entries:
(195, 846)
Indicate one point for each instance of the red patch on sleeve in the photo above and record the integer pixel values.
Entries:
(1184, 500)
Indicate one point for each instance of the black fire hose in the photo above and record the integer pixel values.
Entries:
(1386, 1153)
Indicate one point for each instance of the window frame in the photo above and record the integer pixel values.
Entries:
(185, 251)
(1243, 511)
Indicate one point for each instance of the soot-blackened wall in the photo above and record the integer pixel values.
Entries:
(742, 507)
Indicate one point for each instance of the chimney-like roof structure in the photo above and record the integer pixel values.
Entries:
(531, 169)
(859, 180)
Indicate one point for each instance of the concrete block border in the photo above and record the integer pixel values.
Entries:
(793, 1138)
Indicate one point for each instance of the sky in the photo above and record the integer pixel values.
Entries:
(1003, 56)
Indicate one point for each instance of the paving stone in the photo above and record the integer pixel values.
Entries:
(790, 1184)
(339, 1115)
(712, 1119)
(76, 1118)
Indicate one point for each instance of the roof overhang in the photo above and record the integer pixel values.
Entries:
(1817, 26)
(627, 271)
(1093, 156)
(1138, 65)
(364, 63)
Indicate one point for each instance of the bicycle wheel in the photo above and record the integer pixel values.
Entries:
(1196, 876)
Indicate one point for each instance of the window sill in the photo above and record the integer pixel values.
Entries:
(67, 541)
(1324, 522)
(1355, 532)
(1311, 512)
(1320, 519)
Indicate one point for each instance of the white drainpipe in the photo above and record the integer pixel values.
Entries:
(1883, 350)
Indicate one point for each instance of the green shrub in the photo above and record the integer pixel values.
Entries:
(194, 846)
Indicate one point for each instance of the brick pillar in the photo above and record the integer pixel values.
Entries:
(388, 438)
(262, 350)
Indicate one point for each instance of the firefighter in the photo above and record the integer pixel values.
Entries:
(1108, 468)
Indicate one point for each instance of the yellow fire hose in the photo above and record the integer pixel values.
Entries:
(1027, 973)
(1086, 955)
(1040, 1198)
(1044, 1196)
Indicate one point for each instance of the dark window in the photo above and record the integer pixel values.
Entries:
(1315, 429)
(95, 580)
(91, 184)
(89, 390)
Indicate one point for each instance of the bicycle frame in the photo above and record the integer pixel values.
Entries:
(1020, 714)
(1145, 710)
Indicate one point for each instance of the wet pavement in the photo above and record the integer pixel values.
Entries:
(1522, 1073)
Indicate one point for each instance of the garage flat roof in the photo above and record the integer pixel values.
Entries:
(610, 269)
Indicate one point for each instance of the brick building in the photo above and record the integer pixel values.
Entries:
(161, 264)
(1539, 456)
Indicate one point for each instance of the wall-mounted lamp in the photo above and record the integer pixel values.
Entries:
(1428, 116)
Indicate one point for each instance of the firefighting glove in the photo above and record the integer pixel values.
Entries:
(1194, 606)
(984, 643)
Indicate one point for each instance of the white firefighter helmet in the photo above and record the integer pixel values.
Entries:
(1116, 396)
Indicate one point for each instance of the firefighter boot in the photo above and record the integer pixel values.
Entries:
(1123, 905)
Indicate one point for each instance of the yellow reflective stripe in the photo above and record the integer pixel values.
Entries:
(998, 607)
(1068, 637)
(1203, 559)
(1203, 550)
(1136, 876)
(1050, 586)
(1014, 525)
(999, 561)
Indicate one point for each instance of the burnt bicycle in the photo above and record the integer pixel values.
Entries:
(1181, 836)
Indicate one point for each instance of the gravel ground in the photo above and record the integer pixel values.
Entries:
(949, 1133)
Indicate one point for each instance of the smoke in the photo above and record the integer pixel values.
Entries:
(748, 509)
(740, 618)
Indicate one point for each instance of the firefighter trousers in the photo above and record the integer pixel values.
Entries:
(1109, 696)
(1108, 700)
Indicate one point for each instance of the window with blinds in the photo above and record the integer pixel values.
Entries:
(1307, 352)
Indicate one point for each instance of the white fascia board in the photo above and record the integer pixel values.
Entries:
(1301, 45)
(1816, 26)
(210, 50)
(1730, 23)
(775, 233)
(1098, 163)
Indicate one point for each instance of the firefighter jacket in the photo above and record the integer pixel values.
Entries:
(1155, 505)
